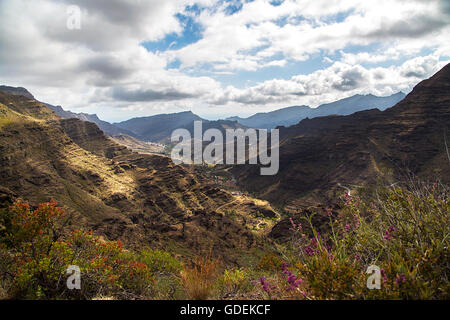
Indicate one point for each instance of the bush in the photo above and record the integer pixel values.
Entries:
(37, 256)
(159, 261)
(270, 262)
(235, 281)
(403, 231)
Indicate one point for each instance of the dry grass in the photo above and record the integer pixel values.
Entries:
(198, 278)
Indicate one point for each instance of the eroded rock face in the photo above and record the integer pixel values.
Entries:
(318, 155)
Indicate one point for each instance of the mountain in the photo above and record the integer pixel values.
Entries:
(357, 103)
(320, 157)
(159, 128)
(19, 91)
(106, 127)
(145, 200)
(292, 115)
(282, 117)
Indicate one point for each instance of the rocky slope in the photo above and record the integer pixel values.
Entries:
(141, 199)
(138, 145)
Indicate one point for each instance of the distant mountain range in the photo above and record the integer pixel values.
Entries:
(292, 115)
(159, 128)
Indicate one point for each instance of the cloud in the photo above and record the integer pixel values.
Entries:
(262, 31)
(105, 68)
(140, 95)
(337, 81)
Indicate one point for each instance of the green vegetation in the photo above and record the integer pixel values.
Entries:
(403, 231)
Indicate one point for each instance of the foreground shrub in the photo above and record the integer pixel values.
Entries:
(159, 261)
(234, 282)
(165, 270)
(403, 231)
(36, 256)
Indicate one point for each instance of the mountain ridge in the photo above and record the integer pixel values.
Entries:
(159, 128)
(294, 114)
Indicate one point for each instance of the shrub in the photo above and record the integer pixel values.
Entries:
(235, 281)
(38, 256)
(159, 261)
(270, 262)
(403, 231)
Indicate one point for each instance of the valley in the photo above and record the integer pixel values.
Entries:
(127, 190)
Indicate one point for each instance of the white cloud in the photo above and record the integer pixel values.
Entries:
(104, 68)
(409, 25)
(337, 81)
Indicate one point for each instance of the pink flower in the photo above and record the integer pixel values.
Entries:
(292, 279)
(266, 285)
(383, 274)
(309, 251)
(295, 226)
(388, 234)
(400, 279)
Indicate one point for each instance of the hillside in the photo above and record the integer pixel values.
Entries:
(141, 199)
(321, 156)
(292, 115)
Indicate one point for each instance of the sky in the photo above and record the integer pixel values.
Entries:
(217, 58)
